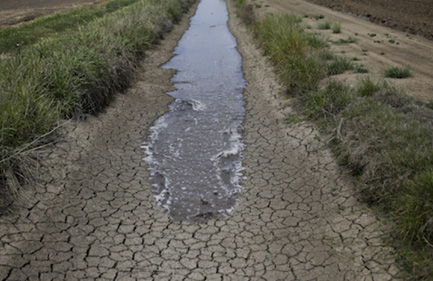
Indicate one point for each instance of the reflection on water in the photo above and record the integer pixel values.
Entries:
(194, 150)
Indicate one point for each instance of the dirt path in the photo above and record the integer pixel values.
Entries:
(409, 16)
(372, 48)
(96, 218)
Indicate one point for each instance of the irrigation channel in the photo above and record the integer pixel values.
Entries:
(94, 216)
(194, 150)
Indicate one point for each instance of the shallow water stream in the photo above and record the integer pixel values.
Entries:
(194, 150)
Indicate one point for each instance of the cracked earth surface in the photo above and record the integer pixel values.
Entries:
(95, 217)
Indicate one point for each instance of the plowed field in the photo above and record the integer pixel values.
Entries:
(375, 46)
(409, 16)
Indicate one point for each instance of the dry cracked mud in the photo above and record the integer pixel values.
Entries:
(95, 218)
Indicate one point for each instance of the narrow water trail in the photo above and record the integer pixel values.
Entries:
(194, 151)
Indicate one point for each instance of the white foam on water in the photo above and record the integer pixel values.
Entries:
(164, 193)
(198, 105)
(236, 168)
(158, 126)
(237, 148)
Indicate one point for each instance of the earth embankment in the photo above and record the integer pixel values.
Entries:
(375, 46)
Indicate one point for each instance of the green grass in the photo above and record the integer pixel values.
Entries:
(360, 68)
(397, 72)
(386, 141)
(325, 104)
(284, 40)
(245, 12)
(72, 73)
(367, 87)
(336, 27)
(293, 119)
(15, 38)
(326, 55)
(339, 65)
(324, 25)
(349, 40)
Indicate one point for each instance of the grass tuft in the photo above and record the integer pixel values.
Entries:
(349, 40)
(359, 68)
(284, 40)
(327, 103)
(397, 72)
(326, 55)
(336, 27)
(411, 208)
(245, 12)
(339, 65)
(367, 87)
(324, 25)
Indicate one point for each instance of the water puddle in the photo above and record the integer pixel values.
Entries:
(194, 150)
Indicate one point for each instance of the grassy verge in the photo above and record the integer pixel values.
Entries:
(397, 72)
(382, 136)
(72, 73)
(13, 39)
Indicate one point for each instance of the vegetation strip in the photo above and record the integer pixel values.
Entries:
(70, 74)
(384, 137)
(13, 39)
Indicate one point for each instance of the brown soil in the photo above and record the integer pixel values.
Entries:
(410, 16)
(377, 47)
(15, 11)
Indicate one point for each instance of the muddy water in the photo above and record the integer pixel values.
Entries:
(194, 150)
